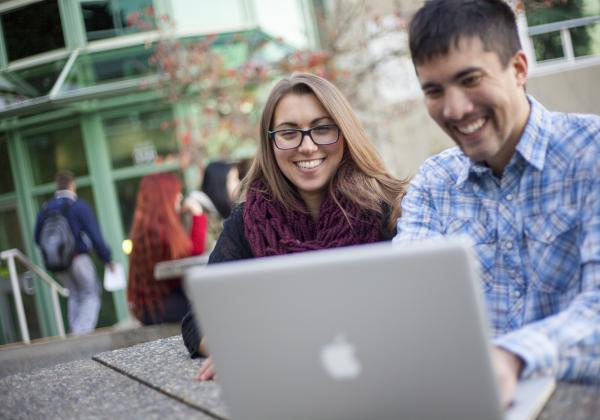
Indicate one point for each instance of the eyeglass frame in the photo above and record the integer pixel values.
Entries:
(306, 132)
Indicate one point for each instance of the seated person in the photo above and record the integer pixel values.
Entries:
(523, 183)
(219, 186)
(158, 235)
(317, 182)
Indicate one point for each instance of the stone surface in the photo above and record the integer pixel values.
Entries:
(165, 364)
(21, 358)
(572, 402)
(86, 390)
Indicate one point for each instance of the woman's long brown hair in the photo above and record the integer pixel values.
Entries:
(361, 176)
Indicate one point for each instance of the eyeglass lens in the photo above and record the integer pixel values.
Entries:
(292, 138)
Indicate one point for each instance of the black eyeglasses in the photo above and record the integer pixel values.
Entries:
(291, 138)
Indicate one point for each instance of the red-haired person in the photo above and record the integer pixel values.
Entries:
(158, 235)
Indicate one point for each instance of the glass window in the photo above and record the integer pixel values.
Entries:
(38, 80)
(6, 179)
(585, 39)
(141, 138)
(110, 66)
(127, 192)
(56, 150)
(283, 18)
(10, 229)
(32, 29)
(110, 18)
(192, 15)
(547, 46)
(279, 18)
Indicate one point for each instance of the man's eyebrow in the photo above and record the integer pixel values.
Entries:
(457, 76)
(429, 85)
(465, 72)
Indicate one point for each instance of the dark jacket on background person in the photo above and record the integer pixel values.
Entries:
(82, 221)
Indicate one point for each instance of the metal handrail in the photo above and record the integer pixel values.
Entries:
(10, 255)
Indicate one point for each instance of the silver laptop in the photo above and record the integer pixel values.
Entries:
(367, 332)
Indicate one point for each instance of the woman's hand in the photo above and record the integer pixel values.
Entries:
(206, 371)
(191, 206)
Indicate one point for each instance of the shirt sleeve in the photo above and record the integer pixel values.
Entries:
(90, 226)
(567, 344)
(191, 334)
(198, 233)
(419, 218)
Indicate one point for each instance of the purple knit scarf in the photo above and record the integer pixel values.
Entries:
(271, 229)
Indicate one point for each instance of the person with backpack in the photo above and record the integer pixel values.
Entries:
(66, 230)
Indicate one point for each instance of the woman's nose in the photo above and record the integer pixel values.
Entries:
(307, 145)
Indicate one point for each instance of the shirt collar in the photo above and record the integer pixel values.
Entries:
(532, 145)
(65, 194)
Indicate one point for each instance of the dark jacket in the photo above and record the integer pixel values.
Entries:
(82, 221)
(232, 245)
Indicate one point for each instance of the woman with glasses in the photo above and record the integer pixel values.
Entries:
(316, 182)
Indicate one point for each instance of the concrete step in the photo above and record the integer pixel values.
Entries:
(46, 352)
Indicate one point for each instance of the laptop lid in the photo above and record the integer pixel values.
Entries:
(367, 332)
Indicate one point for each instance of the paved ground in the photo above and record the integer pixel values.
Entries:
(154, 380)
(149, 380)
(85, 389)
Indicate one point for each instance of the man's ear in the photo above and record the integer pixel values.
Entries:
(520, 67)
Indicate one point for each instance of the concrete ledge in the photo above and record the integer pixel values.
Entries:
(21, 358)
(166, 366)
(85, 390)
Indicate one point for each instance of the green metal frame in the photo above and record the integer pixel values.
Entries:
(72, 24)
(3, 53)
(105, 195)
(27, 210)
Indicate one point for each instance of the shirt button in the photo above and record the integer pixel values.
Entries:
(509, 197)
(508, 244)
(517, 293)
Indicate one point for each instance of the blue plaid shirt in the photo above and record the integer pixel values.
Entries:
(536, 232)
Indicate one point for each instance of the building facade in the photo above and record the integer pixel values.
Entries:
(71, 73)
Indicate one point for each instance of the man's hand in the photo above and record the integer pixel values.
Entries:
(508, 367)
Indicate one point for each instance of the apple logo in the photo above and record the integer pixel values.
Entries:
(339, 359)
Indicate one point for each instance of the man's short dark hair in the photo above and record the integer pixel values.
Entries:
(441, 24)
(64, 179)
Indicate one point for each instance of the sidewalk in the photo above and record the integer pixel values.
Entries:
(148, 380)
(154, 380)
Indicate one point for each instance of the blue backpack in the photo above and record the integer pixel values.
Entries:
(57, 241)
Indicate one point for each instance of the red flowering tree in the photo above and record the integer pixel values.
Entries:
(224, 77)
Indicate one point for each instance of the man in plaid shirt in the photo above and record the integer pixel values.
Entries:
(523, 183)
